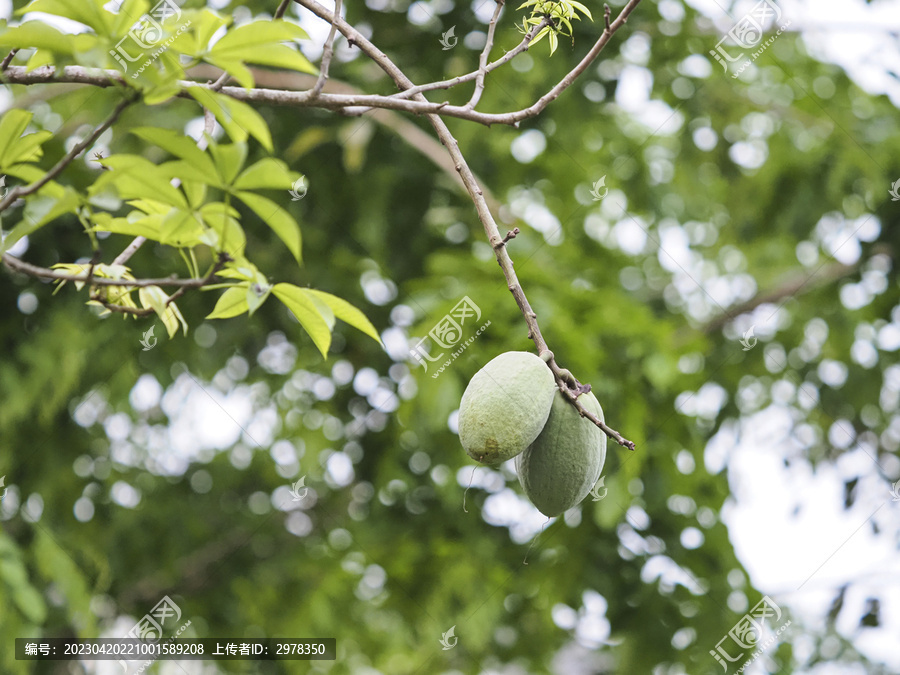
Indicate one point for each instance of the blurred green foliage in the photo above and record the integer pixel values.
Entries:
(389, 561)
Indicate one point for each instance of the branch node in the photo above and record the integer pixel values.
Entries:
(510, 235)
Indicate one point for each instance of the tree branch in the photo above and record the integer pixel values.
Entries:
(19, 265)
(4, 64)
(563, 377)
(327, 54)
(482, 60)
(282, 8)
(20, 191)
(468, 77)
(407, 131)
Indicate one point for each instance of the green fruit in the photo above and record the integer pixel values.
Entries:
(505, 406)
(559, 469)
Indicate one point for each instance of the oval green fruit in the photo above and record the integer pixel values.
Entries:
(505, 406)
(559, 469)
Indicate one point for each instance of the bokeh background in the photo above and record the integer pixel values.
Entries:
(733, 300)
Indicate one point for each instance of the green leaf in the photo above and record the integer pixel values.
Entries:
(134, 177)
(204, 28)
(277, 218)
(12, 126)
(179, 145)
(234, 67)
(230, 234)
(307, 313)
(256, 295)
(185, 172)
(182, 229)
(258, 33)
(232, 302)
(39, 59)
(27, 148)
(88, 12)
(581, 8)
(236, 117)
(126, 15)
(275, 55)
(257, 42)
(39, 35)
(156, 298)
(346, 312)
(195, 191)
(246, 117)
(146, 226)
(229, 159)
(268, 173)
(39, 212)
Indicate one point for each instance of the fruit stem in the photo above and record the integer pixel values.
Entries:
(572, 389)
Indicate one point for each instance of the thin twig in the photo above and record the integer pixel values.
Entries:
(468, 77)
(482, 60)
(282, 8)
(19, 265)
(20, 191)
(337, 102)
(410, 133)
(220, 82)
(129, 251)
(4, 64)
(147, 311)
(512, 234)
(327, 54)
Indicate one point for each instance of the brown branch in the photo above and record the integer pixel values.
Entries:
(484, 215)
(129, 251)
(334, 102)
(409, 132)
(282, 8)
(4, 64)
(512, 234)
(482, 60)
(327, 54)
(147, 311)
(18, 265)
(468, 77)
(419, 105)
(20, 191)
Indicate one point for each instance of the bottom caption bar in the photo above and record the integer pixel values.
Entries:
(194, 649)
